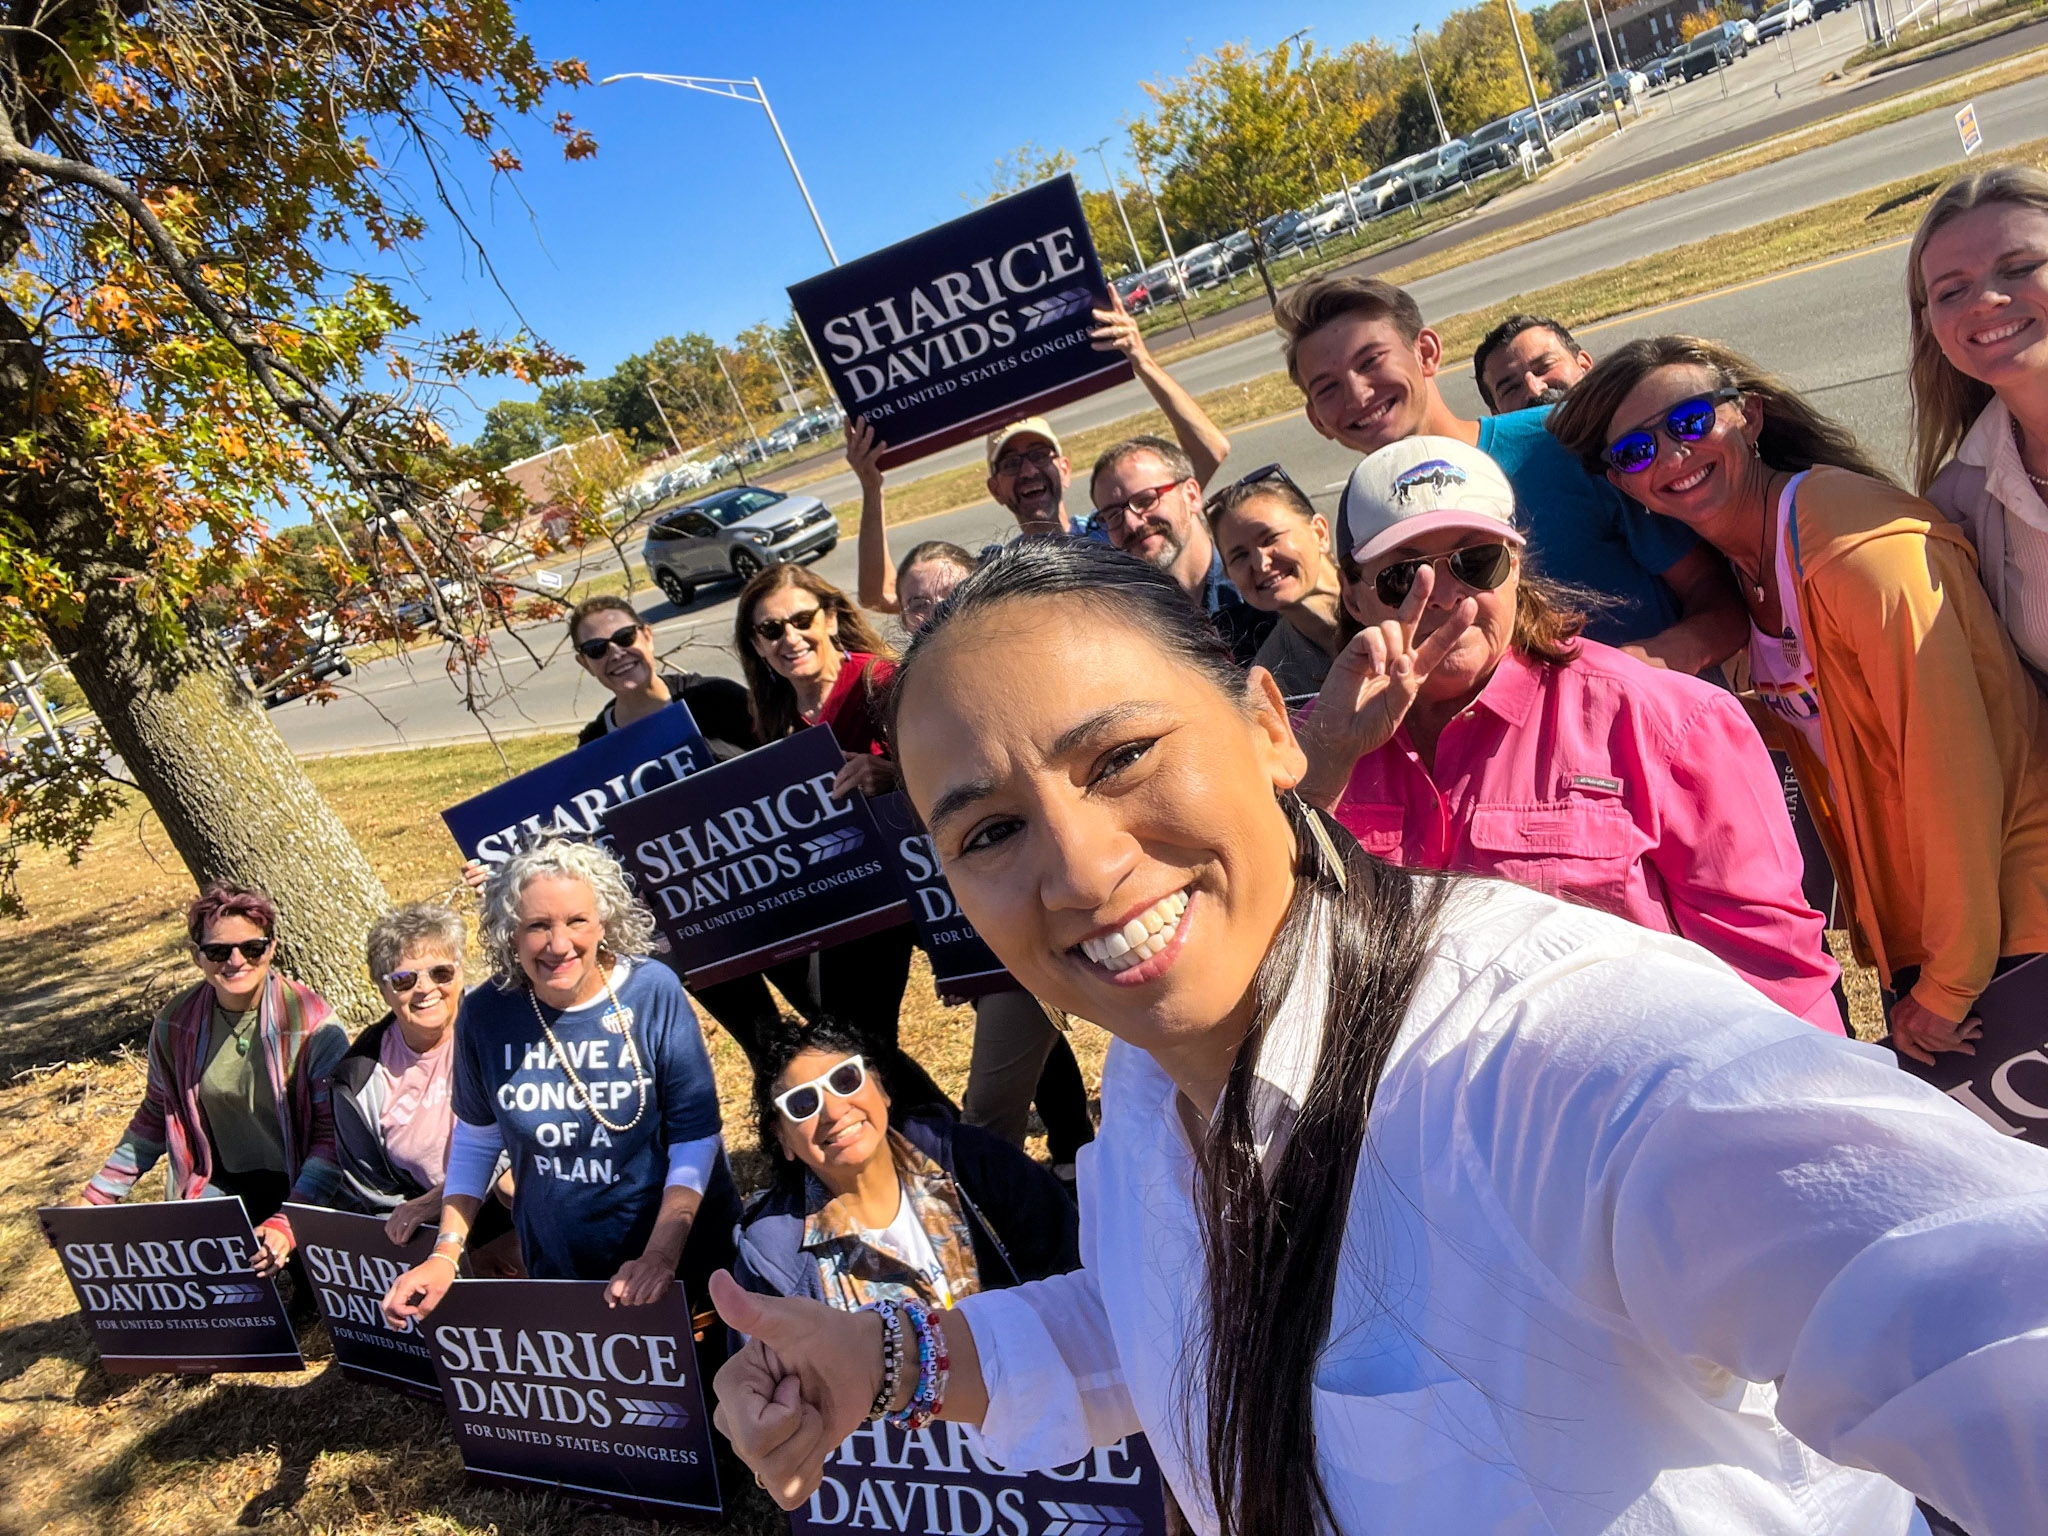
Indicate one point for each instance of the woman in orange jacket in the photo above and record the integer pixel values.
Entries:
(1918, 736)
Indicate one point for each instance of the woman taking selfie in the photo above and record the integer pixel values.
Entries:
(811, 659)
(237, 1092)
(1421, 1203)
(866, 1205)
(1276, 551)
(581, 1061)
(1977, 291)
(1919, 739)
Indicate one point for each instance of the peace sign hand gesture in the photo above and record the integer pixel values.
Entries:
(1371, 686)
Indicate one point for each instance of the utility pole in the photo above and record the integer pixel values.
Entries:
(1529, 77)
(1137, 256)
(1600, 64)
(1172, 261)
(1336, 164)
(673, 442)
(1443, 133)
(718, 353)
(35, 703)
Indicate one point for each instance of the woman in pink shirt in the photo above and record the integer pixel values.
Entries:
(1467, 727)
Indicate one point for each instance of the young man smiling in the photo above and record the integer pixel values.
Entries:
(1367, 368)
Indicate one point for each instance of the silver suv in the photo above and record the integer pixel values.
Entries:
(732, 535)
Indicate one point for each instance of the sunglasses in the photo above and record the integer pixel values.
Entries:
(1482, 567)
(252, 951)
(771, 630)
(1140, 502)
(1038, 458)
(439, 975)
(597, 645)
(1686, 422)
(801, 1104)
(1265, 474)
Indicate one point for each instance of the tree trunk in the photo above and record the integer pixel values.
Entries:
(1259, 260)
(196, 741)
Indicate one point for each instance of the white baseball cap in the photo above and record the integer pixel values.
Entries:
(1030, 426)
(1419, 485)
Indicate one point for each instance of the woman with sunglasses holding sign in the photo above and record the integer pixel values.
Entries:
(811, 659)
(1275, 548)
(237, 1093)
(1919, 738)
(1469, 726)
(870, 1206)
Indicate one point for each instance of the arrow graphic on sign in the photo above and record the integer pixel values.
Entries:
(832, 844)
(235, 1295)
(652, 1413)
(1088, 1519)
(1058, 307)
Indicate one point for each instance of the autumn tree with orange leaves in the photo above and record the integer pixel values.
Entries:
(195, 199)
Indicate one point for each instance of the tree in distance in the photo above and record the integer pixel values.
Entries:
(192, 193)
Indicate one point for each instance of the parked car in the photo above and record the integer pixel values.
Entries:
(1388, 187)
(326, 660)
(1627, 84)
(1202, 267)
(1829, 7)
(732, 534)
(1740, 36)
(1783, 17)
(1135, 291)
(1709, 53)
(1496, 146)
(783, 439)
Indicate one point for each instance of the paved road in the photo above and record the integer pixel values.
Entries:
(1837, 331)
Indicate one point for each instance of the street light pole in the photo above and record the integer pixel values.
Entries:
(1172, 261)
(718, 354)
(1322, 121)
(673, 441)
(1529, 77)
(1428, 85)
(1137, 256)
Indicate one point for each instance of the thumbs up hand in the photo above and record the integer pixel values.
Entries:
(803, 1383)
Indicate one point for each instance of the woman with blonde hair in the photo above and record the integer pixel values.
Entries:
(1977, 291)
(1919, 742)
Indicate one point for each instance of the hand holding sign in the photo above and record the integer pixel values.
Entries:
(865, 774)
(1919, 1032)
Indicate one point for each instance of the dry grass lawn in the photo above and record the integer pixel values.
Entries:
(89, 1454)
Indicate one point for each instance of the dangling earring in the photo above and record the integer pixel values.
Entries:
(1332, 860)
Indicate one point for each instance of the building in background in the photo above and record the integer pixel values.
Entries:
(1643, 31)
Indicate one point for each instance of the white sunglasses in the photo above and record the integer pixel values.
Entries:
(802, 1103)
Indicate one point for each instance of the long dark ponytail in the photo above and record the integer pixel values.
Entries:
(1273, 1234)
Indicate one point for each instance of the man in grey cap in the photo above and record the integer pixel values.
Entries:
(1028, 473)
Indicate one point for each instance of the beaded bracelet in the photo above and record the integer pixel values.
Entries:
(892, 1357)
(934, 1367)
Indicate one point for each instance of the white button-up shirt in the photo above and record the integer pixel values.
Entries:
(1629, 1250)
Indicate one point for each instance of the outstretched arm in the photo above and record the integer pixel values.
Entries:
(1199, 437)
(877, 584)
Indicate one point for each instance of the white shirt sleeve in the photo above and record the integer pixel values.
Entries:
(473, 1153)
(1808, 1214)
(1055, 1383)
(690, 1162)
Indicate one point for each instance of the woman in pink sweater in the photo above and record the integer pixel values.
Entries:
(1467, 727)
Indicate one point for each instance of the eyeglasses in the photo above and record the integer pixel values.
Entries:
(802, 1103)
(771, 630)
(1139, 502)
(252, 951)
(1686, 422)
(1037, 458)
(439, 975)
(597, 645)
(1482, 567)
(1265, 474)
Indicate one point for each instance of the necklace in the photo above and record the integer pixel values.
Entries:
(2019, 447)
(576, 1082)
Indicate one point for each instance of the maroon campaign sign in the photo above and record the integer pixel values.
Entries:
(753, 862)
(548, 1387)
(2006, 1082)
(939, 1479)
(167, 1286)
(352, 1264)
(963, 966)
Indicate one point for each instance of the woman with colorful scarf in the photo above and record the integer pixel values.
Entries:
(238, 1067)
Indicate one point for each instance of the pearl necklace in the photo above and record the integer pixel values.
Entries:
(569, 1067)
(2019, 448)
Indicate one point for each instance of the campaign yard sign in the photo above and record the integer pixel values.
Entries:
(167, 1286)
(962, 965)
(352, 1264)
(753, 862)
(2006, 1082)
(569, 795)
(1817, 876)
(547, 1387)
(966, 327)
(939, 1479)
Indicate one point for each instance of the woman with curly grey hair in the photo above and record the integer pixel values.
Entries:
(582, 1061)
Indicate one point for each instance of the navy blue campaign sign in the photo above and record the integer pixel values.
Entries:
(753, 862)
(966, 327)
(352, 1264)
(2006, 1082)
(548, 1387)
(962, 965)
(570, 795)
(939, 1479)
(167, 1286)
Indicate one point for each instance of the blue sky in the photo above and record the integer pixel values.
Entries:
(687, 219)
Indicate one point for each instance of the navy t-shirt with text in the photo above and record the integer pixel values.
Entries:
(1584, 532)
(585, 1198)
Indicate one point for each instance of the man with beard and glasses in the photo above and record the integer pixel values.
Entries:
(1367, 369)
(1527, 361)
(1028, 473)
(1148, 503)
